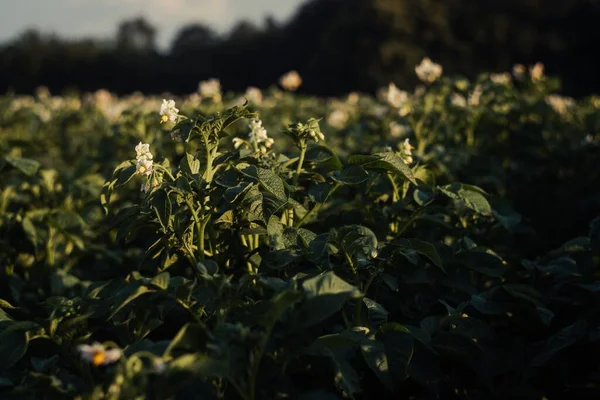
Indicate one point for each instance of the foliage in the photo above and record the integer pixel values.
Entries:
(337, 263)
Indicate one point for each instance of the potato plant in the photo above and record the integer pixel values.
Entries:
(283, 246)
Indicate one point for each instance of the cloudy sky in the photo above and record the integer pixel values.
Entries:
(99, 18)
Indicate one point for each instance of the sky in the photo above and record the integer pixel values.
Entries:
(99, 18)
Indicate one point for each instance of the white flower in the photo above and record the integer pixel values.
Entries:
(168, 112)
(353, 98)
(398, 130)
(395, 96)
(290, 80)
(97, 354)
(143, 150)
(210, 88)
(428, 71)
(407, 151)
(537, 72)
(458, 100)
(519, 71)
(338, 119)
(560, 104)
(254, 95)
(259, 134)
(143, 166)
(475, 96)
(501, 79)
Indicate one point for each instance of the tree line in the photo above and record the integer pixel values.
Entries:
(337, 46)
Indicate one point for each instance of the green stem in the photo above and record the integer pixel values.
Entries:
(166, 171)
(408, 223)
(396, 193)
(199, 228)
(303, 148)
(358, 308)
(317, 206)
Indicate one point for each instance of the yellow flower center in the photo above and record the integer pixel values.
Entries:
(142, 169)
(98, 358)
(164, 118)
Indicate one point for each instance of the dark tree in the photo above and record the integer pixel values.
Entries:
(136, 35)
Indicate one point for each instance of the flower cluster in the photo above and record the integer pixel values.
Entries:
(475, 96)
(502, 79)
(144, 159)
(395, 96)
(338, 119)
(168, 112)
(254, 95)
(428, 71)
(97, 354)
(406, 152)
(458, 100)
(519, 71)
(537, 72)
(258, 133)
(560, 104)
(290, 80)
(257, 136)
(210, 88)
(398, 130)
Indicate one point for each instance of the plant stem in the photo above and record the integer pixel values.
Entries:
(408, 223)
(303, 148)
(169, 174)
(199, 228)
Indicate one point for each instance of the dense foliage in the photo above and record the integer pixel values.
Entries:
(300, 247)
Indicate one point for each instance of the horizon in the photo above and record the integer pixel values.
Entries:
(100, 19)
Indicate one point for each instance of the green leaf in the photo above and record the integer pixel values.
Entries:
(346, 378)
(561, 340)
(141, 290)
(125, 175)
(189, 164)
(323, 155)
(201, 365)
(278, 305)
(13, 346)
(326, 294)
(378, 315)
(469, 195)
(399, 349)
(374, 354)
(389, 161)
(352, 174)
(356, 240)
(25, 165)
(272, 182)
(484, 261)
(425, 248)
(161, 281)
(207, 269)
(192, 337)
(319, 192)
(30, 231)
(329, 284)
(5, 304)
(161, 204)
(44, 365)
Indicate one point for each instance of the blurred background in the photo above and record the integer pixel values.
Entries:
(337, 46)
